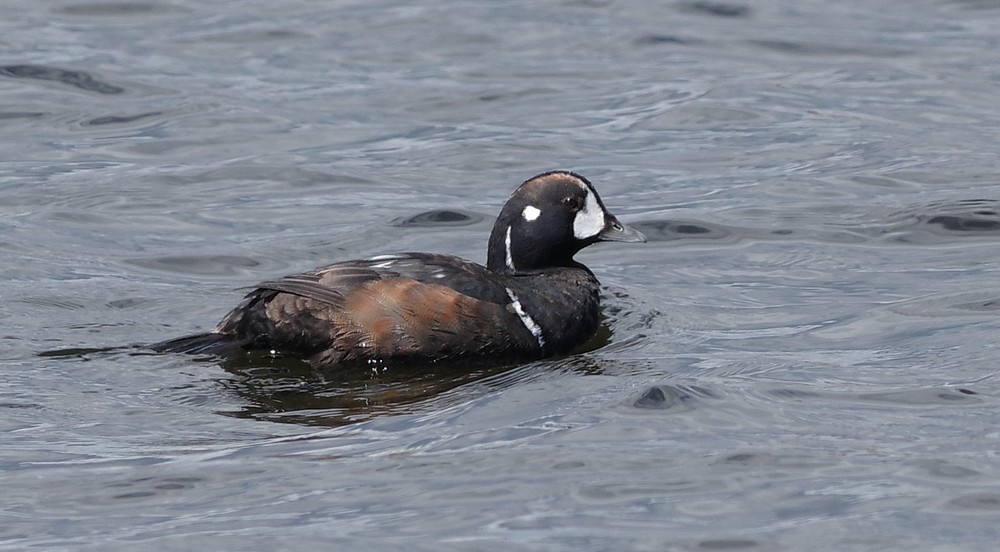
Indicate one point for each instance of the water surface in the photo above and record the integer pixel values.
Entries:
(802, 357)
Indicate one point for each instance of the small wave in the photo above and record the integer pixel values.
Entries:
(208, 265)
(941, 222)
(440, 218)
(78, 79)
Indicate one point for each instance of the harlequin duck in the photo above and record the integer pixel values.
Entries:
(531, 300)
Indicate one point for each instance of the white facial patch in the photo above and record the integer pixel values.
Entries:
(526, 319)
(510, 258)
(589, 221)
(530, 213)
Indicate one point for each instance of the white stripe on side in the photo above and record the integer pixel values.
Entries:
(526, 319)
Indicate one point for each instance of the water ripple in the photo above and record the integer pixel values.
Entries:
(70, 77)
(124, 9)
(440, 218)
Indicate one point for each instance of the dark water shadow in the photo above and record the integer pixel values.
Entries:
(826, 49)
(945, 221)
(974, 4)
(77, 79)
(288, 390)
(934, 222)
(715, 9)
(672, 397)
(925, 224)
(278, 388)
(121, 119)
(923, 397)
(699, 231)
(440, 218)
(117, 8)
(671, 230)
(285, 389)
(201, 265)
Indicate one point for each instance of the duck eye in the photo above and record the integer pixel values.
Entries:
(573, 203)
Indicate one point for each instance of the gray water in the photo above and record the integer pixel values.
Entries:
(803, 357)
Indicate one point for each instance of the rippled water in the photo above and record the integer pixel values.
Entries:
(802, 357)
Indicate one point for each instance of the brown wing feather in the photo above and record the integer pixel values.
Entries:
(403, 318)
(328, 284)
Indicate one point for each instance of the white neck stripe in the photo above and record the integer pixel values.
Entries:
(510, 258)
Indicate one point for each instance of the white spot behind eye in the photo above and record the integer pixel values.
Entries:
(531, 213)
(589, 221)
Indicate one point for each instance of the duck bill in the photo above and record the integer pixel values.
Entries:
(614, 230)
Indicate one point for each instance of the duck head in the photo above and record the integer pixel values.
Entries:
(547, 220)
